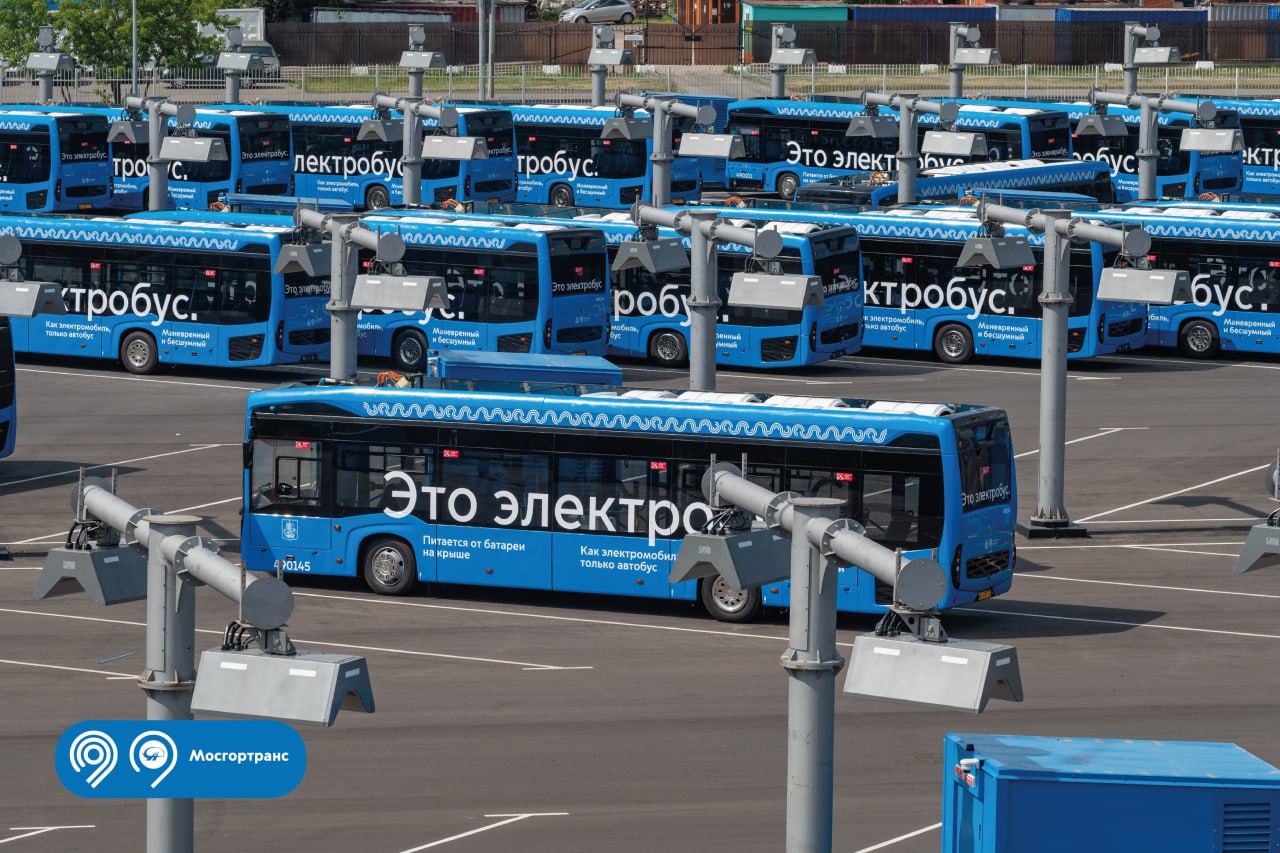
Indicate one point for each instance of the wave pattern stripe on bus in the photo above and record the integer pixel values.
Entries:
(654, 423)
(61, 232)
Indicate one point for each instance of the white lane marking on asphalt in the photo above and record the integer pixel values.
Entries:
(1002, 612)
(520, 663)
(6, 484)
(1173, 494)
(1105, 431)
(41, 830)
(110, 675)
(96, 376)
(892, 841)
(1250, 518)
(1184, 551)
(1126, 545)
(35, 540)
(1187, 362)
(905, 365)
(1152, 586)
(509, 819)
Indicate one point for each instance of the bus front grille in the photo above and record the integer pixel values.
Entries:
(778, 349)
(986, 565)
(1124, 328)
(683, 186)
(839, 334)
(245, 348)
(84, 192)
(268, 189)
(515, 343)
(492, 186)
(579, 334)
(1075, 340)
(309, 337)
(1218, 183)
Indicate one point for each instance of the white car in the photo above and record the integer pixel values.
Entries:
(599, 12)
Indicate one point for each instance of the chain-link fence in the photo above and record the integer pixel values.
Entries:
(527, 84)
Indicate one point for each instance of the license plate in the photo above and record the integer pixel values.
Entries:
(311, 357)
(1122, 348)
(983, 595)
(84, 207)
(492, 200)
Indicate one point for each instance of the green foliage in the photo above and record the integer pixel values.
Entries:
(98, 32)
(20, 23)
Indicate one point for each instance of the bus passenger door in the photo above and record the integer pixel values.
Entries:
(1006, 309)
(493, 513)
(287, 528)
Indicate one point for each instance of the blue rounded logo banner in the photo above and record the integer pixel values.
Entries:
(181, 759)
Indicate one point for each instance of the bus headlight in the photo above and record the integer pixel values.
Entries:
(813, 338)
(1102, 327)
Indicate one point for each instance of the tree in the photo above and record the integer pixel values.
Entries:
(20, 23)
(99, 35)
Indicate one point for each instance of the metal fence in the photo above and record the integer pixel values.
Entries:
(671, 43)
(571, 84)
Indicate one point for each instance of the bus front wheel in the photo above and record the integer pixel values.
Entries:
(561, 196)
(409, 352)
(668, 348)
(1198, 339)
(138, 353)
(388, 566)
(953, 344)
(377, 198)
(787, 186)
(727, 604)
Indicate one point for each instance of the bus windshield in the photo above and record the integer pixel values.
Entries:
(986, 463)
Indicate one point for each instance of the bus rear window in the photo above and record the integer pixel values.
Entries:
(78, 145)
(262, 140)
(577, 275)
(986, 463)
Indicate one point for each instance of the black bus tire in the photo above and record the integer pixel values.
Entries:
(409, 351)
(1198, 339)
(667, 348)
(727, 604)
(953, 344)
(138, 353)
(376, 198)
(788, 184)
(388, 566)
(561, 196)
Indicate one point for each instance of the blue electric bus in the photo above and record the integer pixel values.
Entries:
(52, 160)
(591, 490)
(561, 160)
(152, 292)
(918, 298)
(1232, 253)
(649, 315)
(1179, 174)
(951, 183)
(329, 162)
(512, 288)
(258, 159)
(790, 143)
(1259, 122)
(8, 390)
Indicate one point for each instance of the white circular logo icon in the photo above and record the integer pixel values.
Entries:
(153, 754)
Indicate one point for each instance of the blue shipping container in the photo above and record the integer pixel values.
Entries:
(1013, 794)
(904, 14)
(1141, 16)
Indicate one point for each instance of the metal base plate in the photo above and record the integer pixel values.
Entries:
(1031, 529)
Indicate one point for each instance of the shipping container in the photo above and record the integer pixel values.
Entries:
(1014, 794)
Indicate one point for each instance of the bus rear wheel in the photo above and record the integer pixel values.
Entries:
(377, 198)
(409, 351)
(953, 344)
(138, 353)
(668, 348)
(388, 566)
(788, 184)
(1198, 339)
(562, 196)
(727, 604)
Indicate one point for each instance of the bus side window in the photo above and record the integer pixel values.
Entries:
(362, 482)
